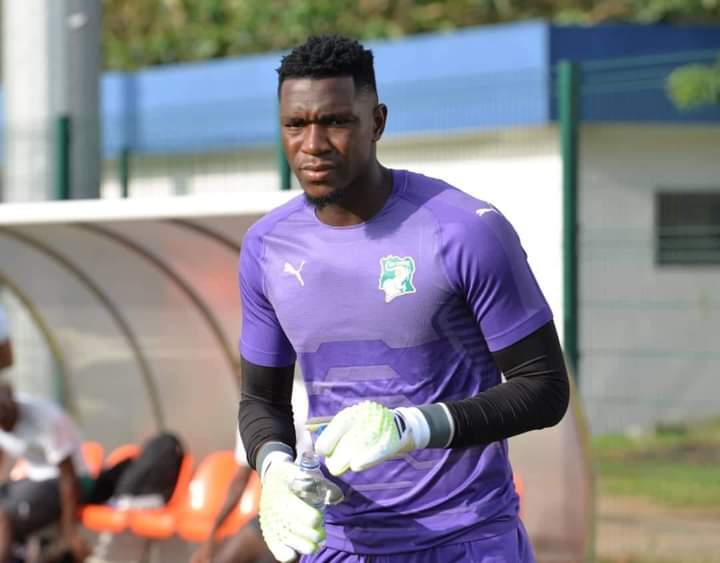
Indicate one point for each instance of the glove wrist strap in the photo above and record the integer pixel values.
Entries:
(270, 452)
(441, 423)
(417, 425)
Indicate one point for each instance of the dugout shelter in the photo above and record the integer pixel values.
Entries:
(128, 313)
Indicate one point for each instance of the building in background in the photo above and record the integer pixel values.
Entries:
(133, 304)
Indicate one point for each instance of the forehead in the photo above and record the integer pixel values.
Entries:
(318, 94)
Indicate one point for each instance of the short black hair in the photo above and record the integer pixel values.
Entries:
(329, 56)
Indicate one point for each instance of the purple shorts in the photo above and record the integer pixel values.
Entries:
(512, 547)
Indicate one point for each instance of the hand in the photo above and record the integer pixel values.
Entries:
(289, 525)
(366, 434)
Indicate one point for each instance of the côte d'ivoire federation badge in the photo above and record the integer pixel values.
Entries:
(396, 276)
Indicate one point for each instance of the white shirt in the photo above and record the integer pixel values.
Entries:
(4, 328)
(44, 436)
(300, 412)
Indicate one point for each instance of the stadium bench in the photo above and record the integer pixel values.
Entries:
(159, 523)
(207, 493)
(103, 517)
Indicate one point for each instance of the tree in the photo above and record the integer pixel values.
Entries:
(693, 86)
(140, 33)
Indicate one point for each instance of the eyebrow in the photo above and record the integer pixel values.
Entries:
(322, 117)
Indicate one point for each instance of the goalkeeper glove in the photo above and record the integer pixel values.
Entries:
(289, 525)
(368, 433)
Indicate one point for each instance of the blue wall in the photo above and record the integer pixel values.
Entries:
(584, 43)
(479, 78)
(467, 80)
(625, 67)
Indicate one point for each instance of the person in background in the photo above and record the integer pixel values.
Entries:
(42, 434)
(6, 356)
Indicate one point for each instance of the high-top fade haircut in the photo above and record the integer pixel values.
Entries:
(330, 56)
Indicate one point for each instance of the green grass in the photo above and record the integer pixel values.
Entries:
(632, 559)
(675, 466)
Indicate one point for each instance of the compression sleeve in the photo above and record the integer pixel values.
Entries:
(265, 414)
(535, 396)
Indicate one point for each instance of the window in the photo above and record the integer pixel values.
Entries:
(688, 228)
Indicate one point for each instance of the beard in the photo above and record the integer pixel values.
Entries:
(334, 197)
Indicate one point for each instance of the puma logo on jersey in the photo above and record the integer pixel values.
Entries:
(480, 212)
(290, 269)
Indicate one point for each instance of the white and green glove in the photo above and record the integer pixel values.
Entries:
(368, 433)
(289, 525)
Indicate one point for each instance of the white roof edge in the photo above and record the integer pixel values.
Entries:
(132, 209)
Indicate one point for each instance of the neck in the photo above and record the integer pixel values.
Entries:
(362, 200)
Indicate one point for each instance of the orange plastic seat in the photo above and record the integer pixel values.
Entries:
(207, 493)
(93, 453)
(121, 453)
(246, 509)
(519, 489)
(102, 517)
(159, 523)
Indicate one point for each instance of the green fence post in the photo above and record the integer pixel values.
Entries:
(124, 171)
(568, 115)
(282, 163)
(283, 169)
(63, 177)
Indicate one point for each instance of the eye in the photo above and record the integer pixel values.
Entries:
(294, 124)
(336, 120)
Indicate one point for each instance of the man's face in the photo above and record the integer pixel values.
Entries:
(329, 130)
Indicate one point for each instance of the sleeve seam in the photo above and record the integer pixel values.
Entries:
(438, 242)
(526, 321)
(272, 358)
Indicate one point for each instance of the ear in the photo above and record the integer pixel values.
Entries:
(380, 113)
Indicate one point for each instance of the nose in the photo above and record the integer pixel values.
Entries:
(315, 140)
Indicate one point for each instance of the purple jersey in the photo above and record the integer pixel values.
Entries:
(404, 310)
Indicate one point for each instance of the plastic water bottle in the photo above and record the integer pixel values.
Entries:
(311, 486)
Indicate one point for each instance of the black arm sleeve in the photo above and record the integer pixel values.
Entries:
(535, 396)
(265, 412)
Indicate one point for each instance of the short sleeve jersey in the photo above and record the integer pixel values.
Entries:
(404, 309)
(44, 436)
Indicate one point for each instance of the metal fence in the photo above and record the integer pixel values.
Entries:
(648, 223)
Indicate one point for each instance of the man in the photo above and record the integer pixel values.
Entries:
(48, 440)
(414, 298)
(247, 546)
(6, 357)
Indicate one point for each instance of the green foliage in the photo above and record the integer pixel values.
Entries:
(693, 86)
(139, 33)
